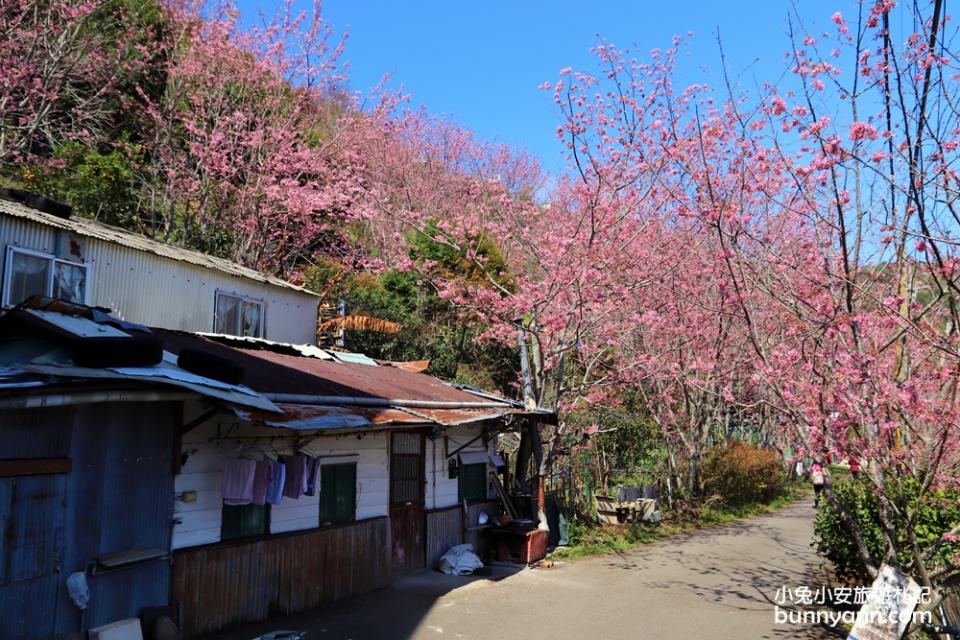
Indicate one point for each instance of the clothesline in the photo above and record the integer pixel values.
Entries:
(246, 481)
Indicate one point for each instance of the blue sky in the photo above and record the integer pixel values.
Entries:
(481, 62)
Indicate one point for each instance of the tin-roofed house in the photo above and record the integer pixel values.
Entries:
(88, 419)
(384, 461)
(51, 253)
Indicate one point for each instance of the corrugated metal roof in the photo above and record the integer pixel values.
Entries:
(76, 325)
(303, 417)
(267, 371)
(308, 350)
(294, 370)
(107, 233)
(163, 374)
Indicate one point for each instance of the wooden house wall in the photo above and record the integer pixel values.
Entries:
(225, 585)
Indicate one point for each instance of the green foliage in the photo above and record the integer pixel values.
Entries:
(934, 515)
(430, 327)
(98, 184)
(738, 472)
(488, 263)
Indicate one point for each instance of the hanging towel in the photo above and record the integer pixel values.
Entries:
(261, 481)
(237, 484)
(278, 477)
(296, 469)
(313, 476)
(306, 472)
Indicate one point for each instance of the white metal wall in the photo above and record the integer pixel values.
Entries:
(203, 471)
(200, 520)
(442, 491)
(161, 292)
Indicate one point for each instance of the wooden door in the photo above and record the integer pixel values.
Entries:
(408, 519)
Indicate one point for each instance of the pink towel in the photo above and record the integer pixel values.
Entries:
(237, 483)
(261, 480)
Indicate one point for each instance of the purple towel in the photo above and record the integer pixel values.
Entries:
(313, 476)
(237, 483)
(261, 481)
(277, 480)
(296, 470)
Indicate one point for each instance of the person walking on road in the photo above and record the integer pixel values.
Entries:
(818, 478)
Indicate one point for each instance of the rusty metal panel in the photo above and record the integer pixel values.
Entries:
(35, 433)
(32, 523)
(27, 608)
(444, 530)
(119, 497)
(229, 584)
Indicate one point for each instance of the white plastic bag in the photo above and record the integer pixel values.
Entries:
(78, 590)
(460, 561)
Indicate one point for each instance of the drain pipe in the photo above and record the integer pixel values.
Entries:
(91, 397)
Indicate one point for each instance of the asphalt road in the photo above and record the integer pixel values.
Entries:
(718, 583)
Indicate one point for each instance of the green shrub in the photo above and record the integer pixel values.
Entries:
(738, 473)
(935, 514)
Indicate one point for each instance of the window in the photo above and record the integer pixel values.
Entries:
(338, 493)
(238, 316)
(31, 273)
(240, 521)
(473, 481)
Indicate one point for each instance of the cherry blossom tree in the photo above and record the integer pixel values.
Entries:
(64, 65)
(254, 134)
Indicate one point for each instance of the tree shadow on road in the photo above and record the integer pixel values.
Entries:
(718, 566)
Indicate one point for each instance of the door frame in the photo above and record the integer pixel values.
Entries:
(408, 505)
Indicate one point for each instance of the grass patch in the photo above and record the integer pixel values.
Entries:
(592, 539)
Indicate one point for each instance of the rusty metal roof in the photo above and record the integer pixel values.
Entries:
(268, 371)
(352, 392)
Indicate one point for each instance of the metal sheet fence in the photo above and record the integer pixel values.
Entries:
(444, 530)
(229, 584)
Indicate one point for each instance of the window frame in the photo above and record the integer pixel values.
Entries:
(267, 522)
(485, 484)
(51, 275)
(262, 304)
(323, 486)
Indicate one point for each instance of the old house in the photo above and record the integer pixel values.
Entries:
(51, 253)
(135, 378)
(117, 469)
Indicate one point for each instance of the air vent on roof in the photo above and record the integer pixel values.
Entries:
(38, 202)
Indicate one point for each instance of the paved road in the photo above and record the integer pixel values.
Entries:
(718, 584)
